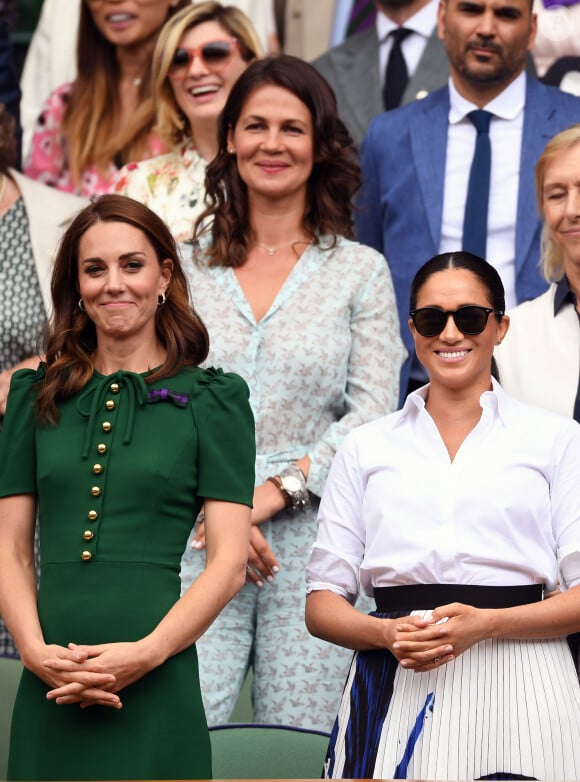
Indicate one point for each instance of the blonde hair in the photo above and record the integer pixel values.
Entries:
(552, 259)
(172, 124)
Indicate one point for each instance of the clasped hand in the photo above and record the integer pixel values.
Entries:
(92, 675)
(423, 644)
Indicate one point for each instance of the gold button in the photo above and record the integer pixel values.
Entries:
(106, 426)
(88, 535)
(92, 515)
(114, 387)
(97, 469)
(110, 404)
(96, 491)
(101, 448)
(86, 556)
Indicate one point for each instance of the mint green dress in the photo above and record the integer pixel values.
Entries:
(120, 481)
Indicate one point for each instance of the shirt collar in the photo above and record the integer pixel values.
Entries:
(507, 105)
(563, 295)
(423, 22)
(496, 401)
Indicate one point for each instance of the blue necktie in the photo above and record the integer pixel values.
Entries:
(477, 201)
(362, 16)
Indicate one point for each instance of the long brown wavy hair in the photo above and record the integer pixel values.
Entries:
(72, 338)
(91, 122)
(335, 176)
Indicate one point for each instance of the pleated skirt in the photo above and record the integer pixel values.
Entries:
(503, 709)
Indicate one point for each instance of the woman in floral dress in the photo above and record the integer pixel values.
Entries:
(91, 127)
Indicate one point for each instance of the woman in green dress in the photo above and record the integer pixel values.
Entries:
(119, 438)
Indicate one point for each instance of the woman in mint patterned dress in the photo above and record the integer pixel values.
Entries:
(308, 318)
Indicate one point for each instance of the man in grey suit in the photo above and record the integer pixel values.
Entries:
(356, 68)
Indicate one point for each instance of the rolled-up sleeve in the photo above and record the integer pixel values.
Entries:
(565, 503)
(339, 548)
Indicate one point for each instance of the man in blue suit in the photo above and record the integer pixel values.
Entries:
(416, 159)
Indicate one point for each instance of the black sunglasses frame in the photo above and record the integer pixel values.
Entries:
(464, 328)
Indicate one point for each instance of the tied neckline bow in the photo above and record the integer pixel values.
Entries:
(138, 395)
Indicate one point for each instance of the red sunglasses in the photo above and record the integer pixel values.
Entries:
(213, 54)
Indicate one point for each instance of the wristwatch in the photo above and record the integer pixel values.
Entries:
(292, 484)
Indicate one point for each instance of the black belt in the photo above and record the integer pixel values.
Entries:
(428, 596)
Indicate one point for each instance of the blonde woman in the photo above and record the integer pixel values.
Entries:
(91, 127)
(544, 338)
(539, 362)
(199, 55)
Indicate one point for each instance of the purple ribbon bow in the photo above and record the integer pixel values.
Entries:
(163, 394)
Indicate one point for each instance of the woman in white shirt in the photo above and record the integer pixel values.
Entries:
(457, 512)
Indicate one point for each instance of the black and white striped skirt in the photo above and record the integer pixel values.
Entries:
(502, 709)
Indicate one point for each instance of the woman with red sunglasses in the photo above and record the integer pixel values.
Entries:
(199, 55)
(456, 513)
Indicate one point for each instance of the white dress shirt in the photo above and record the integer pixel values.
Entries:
(422, 24)
(505, 511)
(506, 141)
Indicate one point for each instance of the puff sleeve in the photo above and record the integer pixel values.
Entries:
(227, 445)
(17, 439)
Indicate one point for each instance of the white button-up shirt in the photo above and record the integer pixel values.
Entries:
(422, 24)
(506, 511)
(505, 133)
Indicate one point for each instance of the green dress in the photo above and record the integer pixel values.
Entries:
(120, 481)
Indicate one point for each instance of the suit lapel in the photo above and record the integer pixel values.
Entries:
(539, 127)
(429, 148)
(432, 71)
(358, 78)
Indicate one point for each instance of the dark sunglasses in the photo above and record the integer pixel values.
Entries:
(430, 321)
(211, 53)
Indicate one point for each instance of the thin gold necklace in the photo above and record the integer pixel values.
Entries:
(273, 250)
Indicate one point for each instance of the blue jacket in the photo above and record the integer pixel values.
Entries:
(401, 204)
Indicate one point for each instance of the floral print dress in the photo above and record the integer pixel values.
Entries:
(48, 160)
(171, 185)
(325, 358)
